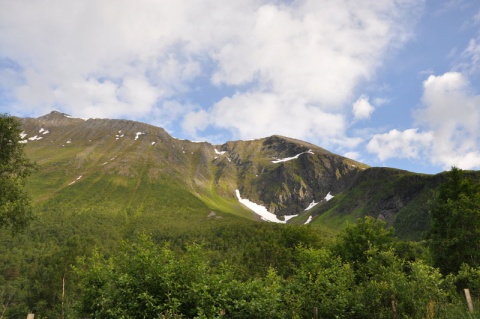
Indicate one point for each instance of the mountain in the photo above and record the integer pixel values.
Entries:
(134, 169)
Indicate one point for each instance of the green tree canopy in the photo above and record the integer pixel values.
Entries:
(15, 167)
(455, 223)
(356, 239)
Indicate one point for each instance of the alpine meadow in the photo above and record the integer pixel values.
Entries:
(105, 218)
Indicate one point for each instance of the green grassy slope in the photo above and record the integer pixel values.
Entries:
(137, 170)
(399, 197)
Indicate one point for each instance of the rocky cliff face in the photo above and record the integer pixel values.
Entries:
(286, 175)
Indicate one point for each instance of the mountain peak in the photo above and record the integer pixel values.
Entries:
(293, 141)
(56, 118)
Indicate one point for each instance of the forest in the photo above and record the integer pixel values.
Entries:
(61, 260)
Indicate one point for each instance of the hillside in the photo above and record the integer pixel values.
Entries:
(113, 157)
(135, 169)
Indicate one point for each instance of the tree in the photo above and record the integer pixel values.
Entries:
(356, 239)
(15, 209)
(145, 280)
(323, 281)
(454, 233)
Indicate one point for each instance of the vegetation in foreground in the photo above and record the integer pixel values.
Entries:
(366, 273)
(237, 270)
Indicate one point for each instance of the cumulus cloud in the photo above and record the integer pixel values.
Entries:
(292, 66)
(352, 155)
(450, 122)
(400, 144)
(362, 109)
(256, 114)
(452, 113)
(301, 64)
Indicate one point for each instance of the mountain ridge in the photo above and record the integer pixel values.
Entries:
(284, 175)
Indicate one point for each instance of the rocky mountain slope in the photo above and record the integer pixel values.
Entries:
(90, 162)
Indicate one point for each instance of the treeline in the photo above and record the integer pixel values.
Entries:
(365, 273)
(231, 270)
(36, 265)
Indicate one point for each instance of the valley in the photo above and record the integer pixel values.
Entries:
(131, 222)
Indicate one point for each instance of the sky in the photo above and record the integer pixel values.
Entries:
(391, 83)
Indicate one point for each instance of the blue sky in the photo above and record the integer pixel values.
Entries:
(387, 82)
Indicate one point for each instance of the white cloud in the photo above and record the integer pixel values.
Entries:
(253, 115)
(304, 62)
(450, 121)
(476, 18)
(400, 144)
(362, 109)
(452, 113)
(378, 101)
(292, 65)
(319, 50)
(472, 53)
(94, 98)
(195, 121)
(352, 155)
(167, 114)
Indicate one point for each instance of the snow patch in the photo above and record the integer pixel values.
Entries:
(110, 160)
(261, 210)
(35, 138)
(308, 220)
(312, 204)
(137, 135)
(153, 143)
(22, 136)
(218, 152)
(291, 158)
(43, 131)
(80, 118)
(78, 178)
(288, 217)
(328, 197)
(69, 142)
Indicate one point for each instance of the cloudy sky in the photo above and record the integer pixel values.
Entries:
(387, 82)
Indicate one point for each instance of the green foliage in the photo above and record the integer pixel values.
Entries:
(392, 285)
(468, 277)
(455, 227)
(323, 281)
(387, 277)
(356, 239)
(241, 270)
(15, 209)
(149, 281)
